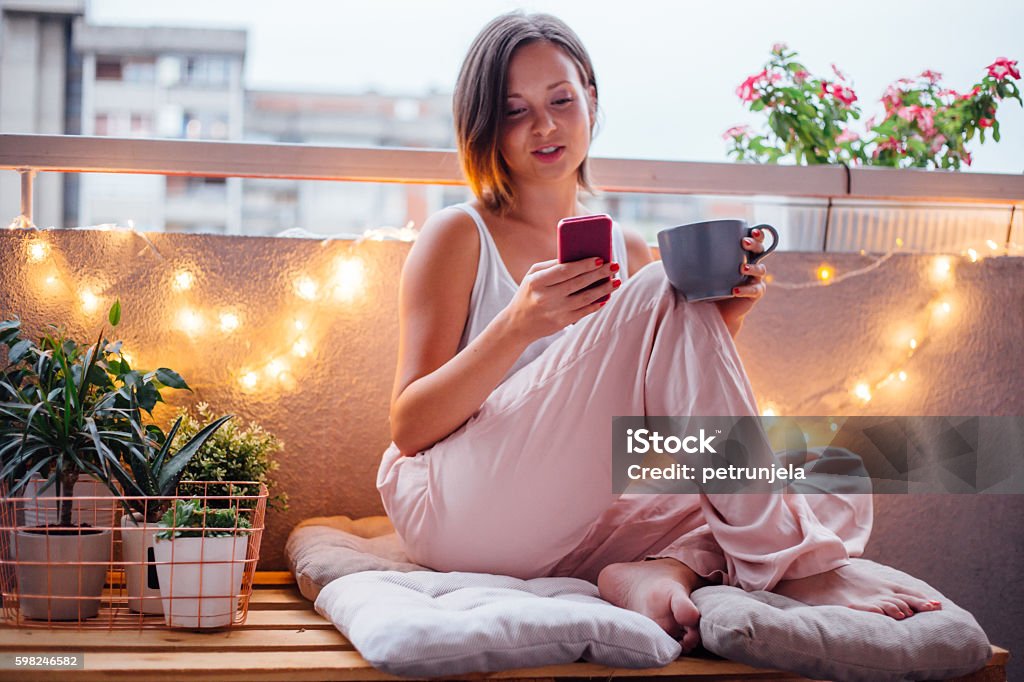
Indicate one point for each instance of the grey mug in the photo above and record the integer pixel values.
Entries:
(703, 260)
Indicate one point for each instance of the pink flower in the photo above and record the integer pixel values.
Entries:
(800, 76)
(746, 91)
(985, 122)
(842, 93)
(870, 123)
(966, 156)
(736, 132)
(1003, 67)
(908, 113)
(892, 98)
(937, 143)
(779, 48)
(847, 136)
(838, 73)
(972, 94)
(947, 92)
(926, 121)
(932, 76)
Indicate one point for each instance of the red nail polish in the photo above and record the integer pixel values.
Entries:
(616, 284)
(756, 233)
(736, 291)
(602, 304)
(598, 262)
(748, 241)
(746, 268)
(615, 267)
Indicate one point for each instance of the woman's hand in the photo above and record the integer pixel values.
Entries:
(734, 309)
(550, 297)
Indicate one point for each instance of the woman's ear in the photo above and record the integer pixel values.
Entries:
(592, 104)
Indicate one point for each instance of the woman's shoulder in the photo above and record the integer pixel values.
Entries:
(448, 237)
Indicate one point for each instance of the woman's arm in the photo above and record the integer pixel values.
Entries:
(436, 389)
(637, 251)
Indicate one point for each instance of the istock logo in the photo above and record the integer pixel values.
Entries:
(642, 441)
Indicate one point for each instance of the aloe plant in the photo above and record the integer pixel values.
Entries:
(155, 470)
(189, 519)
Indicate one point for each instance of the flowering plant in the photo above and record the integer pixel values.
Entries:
(925, 124)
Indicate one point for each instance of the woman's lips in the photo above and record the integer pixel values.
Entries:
(549, 158)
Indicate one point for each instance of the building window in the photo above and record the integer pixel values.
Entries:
(207, 71)
(109, 69)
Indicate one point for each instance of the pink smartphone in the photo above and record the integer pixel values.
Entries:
(588, 236)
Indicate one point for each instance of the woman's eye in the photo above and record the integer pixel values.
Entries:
(514, 112)
(563, 100)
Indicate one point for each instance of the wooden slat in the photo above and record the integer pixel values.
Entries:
(273, 578)
(284, 597)
(348, 665)
(234, 639)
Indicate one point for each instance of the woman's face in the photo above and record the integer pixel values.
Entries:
(545, 133)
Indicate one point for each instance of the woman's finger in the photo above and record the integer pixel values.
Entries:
(754, 270)
(752, 245)
(749, 291)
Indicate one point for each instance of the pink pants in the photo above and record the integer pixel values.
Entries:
(524, 487)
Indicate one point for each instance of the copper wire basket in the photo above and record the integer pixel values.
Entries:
(109, 570)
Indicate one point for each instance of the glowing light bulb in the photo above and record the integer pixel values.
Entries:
(942, 268)
(305, 288)
(992, 245)
(183, 280)
(37, 251)
(228, 322)
(942, 309)
(275, 368)
(913, 344)
(825, 273)
(902, 376)
(51, 280)
(768, 412)
(89, 301)
(348, 278)
(899, 241)
(862, 391)
(973, 255)
(249, 380)
(190, 322)
(300, 325)
(301, 348)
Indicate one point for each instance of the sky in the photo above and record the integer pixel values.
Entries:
(667, 71)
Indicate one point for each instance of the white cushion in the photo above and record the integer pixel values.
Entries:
(768, 630)
(438, 624)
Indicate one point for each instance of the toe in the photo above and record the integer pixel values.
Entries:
(684, 610)
(920, 603)
(870, 608)
(891, 609)
(903, 605)
(691, 639)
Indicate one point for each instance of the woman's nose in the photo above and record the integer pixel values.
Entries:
(544, 124)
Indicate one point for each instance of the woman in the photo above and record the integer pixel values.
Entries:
(509, 372)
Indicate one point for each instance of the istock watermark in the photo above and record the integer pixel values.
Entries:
(903, 455)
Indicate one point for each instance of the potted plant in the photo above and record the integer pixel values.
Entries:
(156, 469)
(233, 453)
(55, 399)
(200, 555)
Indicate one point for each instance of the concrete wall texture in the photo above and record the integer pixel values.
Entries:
(804, 348)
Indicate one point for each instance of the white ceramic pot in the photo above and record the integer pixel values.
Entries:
(200, 579)
(67, 583)
(141, 581)
(44, 509)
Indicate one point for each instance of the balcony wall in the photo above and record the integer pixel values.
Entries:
(804, 349)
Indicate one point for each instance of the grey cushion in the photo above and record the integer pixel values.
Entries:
(327, 547)
(764, 629)
(439, 624)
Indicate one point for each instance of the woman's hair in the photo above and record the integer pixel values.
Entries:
(481, 90)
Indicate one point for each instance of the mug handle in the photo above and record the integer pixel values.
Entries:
(754, 257)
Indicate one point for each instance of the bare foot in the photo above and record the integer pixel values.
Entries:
(860, 589)
(659, 589)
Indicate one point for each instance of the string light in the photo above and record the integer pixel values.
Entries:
(348, 278)
(973, 255)
(825, 273)
(942, 269)
(913, 344)
(299, 325)
(275, 368)
(183, 280)
(38, 250)
(306, 288)
(190, 322)
(249, 380)
(228, 322)
(769, 410)
(862, 391)
(89, 301)
(301, 348)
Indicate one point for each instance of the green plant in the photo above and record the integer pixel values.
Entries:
(810, 118)
(234, 453)
(68, 409)
(189, 519)
(57, 399)
(155, 471)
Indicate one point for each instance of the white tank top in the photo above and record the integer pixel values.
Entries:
(494, 289)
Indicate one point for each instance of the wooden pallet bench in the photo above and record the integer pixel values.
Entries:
(283, 638)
